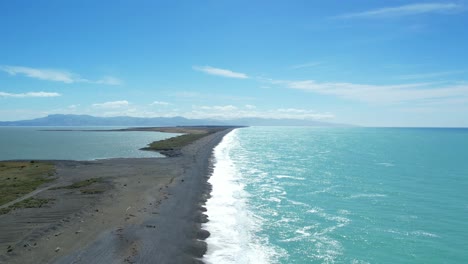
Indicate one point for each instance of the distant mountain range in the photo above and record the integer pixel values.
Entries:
(87, 120)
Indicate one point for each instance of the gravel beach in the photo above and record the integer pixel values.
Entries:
(140, 210)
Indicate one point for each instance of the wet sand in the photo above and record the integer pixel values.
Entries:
(150, 211)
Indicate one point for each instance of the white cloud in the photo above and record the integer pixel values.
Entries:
(161, 103)
(112, 105)
(250, 106)
(29, 94)
(406, 10)
(389, 94)
(56, 75)
(221, 72)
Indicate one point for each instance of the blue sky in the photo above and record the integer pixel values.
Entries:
(371, 63)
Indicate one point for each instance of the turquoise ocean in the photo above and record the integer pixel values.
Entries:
(36, 143)
(339, 195)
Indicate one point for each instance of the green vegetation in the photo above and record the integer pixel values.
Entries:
(93, 190)
(20, 178)
(27, 203)
(175, 142)
(171, 146)
(85, 183)
(79, 184)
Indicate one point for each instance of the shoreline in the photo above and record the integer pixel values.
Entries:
(151, 211)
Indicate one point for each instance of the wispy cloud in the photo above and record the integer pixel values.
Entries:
(226, 112)
(42, 74)
(112, 105)
(221, 72)
(219, 108)
(74, 106)
(56, 75)
(205, 96)
(306, 65)
(429, 75)
(29, 94)
(406, 10)
(108, 80)
(383, 94)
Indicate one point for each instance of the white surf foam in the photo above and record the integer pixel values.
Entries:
(231, 224)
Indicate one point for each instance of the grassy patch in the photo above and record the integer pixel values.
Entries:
(79, 184)
(27, 203)
(96, 190)
(175, 142)
(20, 178)
(83, 184)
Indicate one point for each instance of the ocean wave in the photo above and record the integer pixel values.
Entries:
(344, 212)
(273, 199)
(288, 220)
(325, 248)
(290, 177)
(325, 190)
(386, 164)
(305, 230)
(340, 221)
(320, 212)
(314, 210)
(297, 203)
(302, 232)
(421, 233)
(358, 261)
(417, 233)
(367, 195)
(232, 224)
(292, 184)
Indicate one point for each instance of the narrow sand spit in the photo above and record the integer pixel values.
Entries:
(146, 210)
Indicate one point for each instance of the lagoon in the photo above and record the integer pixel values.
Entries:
(26, 143)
